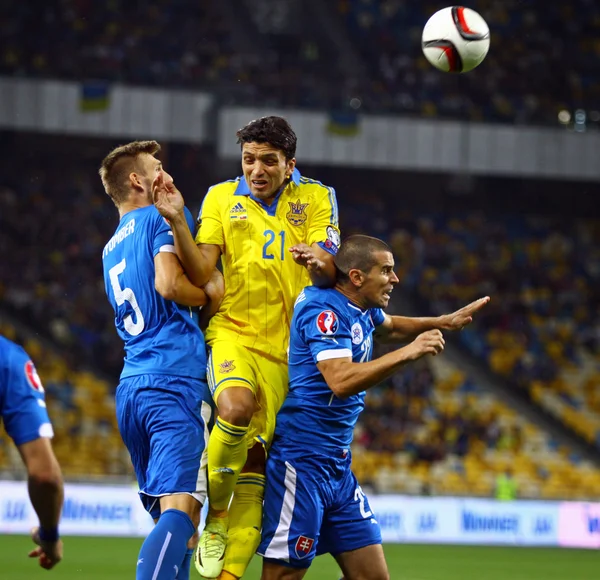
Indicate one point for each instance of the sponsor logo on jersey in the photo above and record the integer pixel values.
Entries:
(226, 367)
(327, 322)
(303, 546)
(32, 377)
(357, 333)
(238, 212)
(297, 214)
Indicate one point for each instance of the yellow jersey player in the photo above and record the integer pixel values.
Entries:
(276, 232)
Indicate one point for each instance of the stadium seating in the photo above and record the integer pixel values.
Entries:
(431, 430)
(537, 65)
(540, 330)
(530, 74)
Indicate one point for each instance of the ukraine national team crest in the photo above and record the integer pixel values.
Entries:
(327, 322)
(226, 367)
(297, 216)
(32, 377)
(303, 546)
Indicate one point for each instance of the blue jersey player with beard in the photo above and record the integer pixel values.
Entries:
(162, 398)
(313, 502)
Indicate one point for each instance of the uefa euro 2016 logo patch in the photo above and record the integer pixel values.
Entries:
(327, 322)
(226, 367)
(296, 216)
(32, 377)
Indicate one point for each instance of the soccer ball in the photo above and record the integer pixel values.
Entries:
(455, 39)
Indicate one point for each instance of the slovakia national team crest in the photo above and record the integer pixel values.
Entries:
(32, 377)
(327, 323)
(304, 546)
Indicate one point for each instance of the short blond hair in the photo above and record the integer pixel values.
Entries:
(118, 164)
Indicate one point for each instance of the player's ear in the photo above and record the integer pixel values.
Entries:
(290, 166)
(356, 277)
(134, 181)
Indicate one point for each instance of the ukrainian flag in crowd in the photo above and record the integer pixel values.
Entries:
(94, 96)
(343, 123)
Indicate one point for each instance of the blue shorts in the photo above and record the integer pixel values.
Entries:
(163, 421)
(313, 505)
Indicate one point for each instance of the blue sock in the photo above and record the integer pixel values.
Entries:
(184, 569)
(164, 550)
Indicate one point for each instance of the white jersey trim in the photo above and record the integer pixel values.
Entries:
(336, 353)
(168, 248)
(279, 549)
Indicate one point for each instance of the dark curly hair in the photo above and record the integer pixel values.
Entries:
(273, 130)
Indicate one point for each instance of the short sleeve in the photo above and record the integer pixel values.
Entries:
(162, 239)
(210, 224)
(24, 413)
(377, 316)
(324, 224)
(326, 332)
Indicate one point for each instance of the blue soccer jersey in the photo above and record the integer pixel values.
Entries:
(325, 325)
(313, 502)
(160, 336)
(22, 404)
(162, 401)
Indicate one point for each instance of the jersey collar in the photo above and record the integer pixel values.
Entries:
(243, 189)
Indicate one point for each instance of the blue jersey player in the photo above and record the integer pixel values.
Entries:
(313, 502)
(161, 400)
(23, 412)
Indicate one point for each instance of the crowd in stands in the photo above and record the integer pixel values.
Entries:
(51, 272)
(543, 56)
(542, 329)
(432, 430)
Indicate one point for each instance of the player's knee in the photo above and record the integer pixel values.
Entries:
(236, 407)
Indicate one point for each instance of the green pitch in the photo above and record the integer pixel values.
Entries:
(114, 559)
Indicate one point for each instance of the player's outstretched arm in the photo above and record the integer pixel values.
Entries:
(171, 282)
(403, 328)
(46, 493)
(198, 262)
(319, 263)
(346, 378)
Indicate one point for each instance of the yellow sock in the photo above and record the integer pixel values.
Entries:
(245, 521)
(227, 454)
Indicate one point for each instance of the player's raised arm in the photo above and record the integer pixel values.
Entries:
(346, 378)
(402, 328)
(171, 282)
(323, 241)
(198, 262)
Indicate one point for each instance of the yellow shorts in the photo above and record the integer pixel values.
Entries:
(234, 365)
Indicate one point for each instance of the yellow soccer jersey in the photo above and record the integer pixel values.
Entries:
(262, 281)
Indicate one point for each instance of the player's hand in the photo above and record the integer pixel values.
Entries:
(431, 342)
(48, 553)
(304, 255)
(459, 319)
(167, 198)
